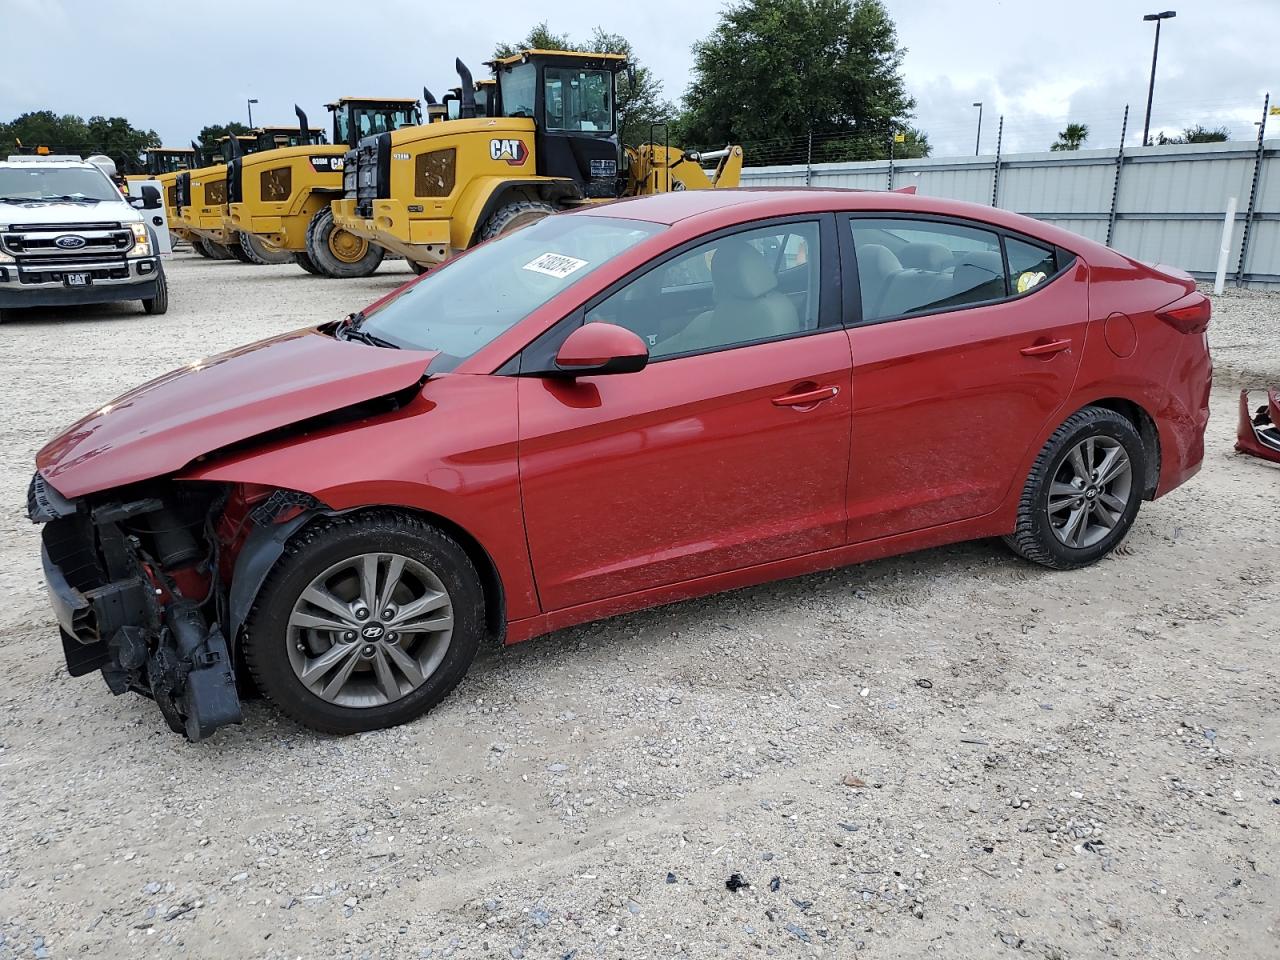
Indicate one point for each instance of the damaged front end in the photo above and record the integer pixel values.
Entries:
(139, 582)
(1258, 432)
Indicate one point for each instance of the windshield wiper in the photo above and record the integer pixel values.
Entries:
(350, 330)
(58, 198)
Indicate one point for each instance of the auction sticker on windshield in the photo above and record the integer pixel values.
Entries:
(555, 265)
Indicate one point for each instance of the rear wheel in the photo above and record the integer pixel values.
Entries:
(365, 622)
(338, 253)
(160, 302)
(306, 263)
(237, 252)
(262, 253)
(198, 246)
(1083, 493)
(212, 250)
(513, 216)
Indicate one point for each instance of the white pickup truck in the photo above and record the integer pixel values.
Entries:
(68, 236)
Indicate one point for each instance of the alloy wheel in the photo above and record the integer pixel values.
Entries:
(1090, 491)
(370, 630)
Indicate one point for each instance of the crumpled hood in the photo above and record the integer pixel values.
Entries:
(162, 426)
(108, 211)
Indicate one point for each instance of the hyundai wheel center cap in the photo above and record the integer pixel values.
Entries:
(372, 631)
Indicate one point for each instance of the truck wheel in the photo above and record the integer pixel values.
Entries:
(513, 216)
(366, 621)
(160, 302)
(337, 253)
(262, 253)
(237, 252)
(306, 263)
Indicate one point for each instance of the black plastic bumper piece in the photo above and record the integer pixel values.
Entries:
(15, 296)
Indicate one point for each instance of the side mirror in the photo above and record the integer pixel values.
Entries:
(599, 348)
(148, 199)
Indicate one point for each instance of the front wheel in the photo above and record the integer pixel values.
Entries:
(337, 253)
(1083, 492)
(365, 622)
(513, 216)
(261, 252)
(160, 302)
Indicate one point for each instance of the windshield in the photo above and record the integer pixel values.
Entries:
(367, 121)
(464, 305)
(518, 94)
(580, 100)
(36, 182)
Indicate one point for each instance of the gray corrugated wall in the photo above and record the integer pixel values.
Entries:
(1169, 206)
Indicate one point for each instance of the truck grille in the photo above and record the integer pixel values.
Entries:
(52, 243)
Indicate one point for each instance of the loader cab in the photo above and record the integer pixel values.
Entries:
(273, 138)
(570, 98)
(355, 118)
(486, 97)
(169, 160)
(226, 152)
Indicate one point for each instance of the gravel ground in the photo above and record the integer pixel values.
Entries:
(950, 752)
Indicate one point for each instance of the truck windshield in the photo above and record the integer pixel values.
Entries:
(579, 100)
(462, 306)
(36, 182)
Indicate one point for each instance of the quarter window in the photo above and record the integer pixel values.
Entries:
(910, 266)
(752, 286)
(1029, 265)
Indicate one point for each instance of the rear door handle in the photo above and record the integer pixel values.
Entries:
(1045, 349)
(806, 398)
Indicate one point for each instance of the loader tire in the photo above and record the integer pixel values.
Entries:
(337, 253)
(198, 246)
(513, 216)
(237, 252)
(305, 262)
(261, 253)
(215, 251)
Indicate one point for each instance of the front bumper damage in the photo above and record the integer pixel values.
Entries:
(1258, 432)
(136, 597)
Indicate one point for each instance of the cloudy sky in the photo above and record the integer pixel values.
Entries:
(1039, 64)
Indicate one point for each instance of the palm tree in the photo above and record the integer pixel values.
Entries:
(1072, 138)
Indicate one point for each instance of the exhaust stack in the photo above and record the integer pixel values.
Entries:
(467, 101)
(304, 129)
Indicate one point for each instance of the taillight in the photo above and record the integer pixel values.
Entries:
(1187, 315)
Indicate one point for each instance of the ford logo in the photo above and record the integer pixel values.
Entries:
(70, 242)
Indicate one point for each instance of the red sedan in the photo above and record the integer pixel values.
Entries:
(614, 408)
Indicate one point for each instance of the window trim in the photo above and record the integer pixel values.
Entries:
(537, 357)
(852, 285)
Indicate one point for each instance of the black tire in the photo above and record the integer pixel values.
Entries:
(214, 251)
(1034, 538)
(237, 252)
(261, 254)
(418, 268)
(314, 550)
(305, 262)
(513, 216)
(325, 240)
(160, 302)
(198, 246)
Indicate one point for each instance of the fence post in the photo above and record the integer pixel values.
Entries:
(891, 142)
(1115, 187)
(808, 160)
(995, 179)
(1253, 192)
(1224, 251)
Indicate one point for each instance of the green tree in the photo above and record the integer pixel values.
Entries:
(1197, 134)
(1072, 138)
(915, 144)
(772, 70)
(67, 133)
(210, 135)
(639, 92)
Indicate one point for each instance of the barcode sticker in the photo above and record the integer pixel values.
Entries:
(555, 265)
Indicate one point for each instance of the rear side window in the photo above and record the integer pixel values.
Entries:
(911, 266)
(1029, 265)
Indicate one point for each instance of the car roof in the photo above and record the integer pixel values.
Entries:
(726, 207)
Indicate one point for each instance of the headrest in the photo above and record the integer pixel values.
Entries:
(976, 268)
(925, 256)
(877, 260)
(740, 272)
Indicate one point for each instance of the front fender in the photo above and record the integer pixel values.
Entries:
(450, 453)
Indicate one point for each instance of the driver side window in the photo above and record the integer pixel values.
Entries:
(744, 288)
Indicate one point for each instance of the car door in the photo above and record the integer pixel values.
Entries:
(966, 341)
(729, 449)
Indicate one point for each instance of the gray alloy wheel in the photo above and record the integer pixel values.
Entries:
(1090, 492)
(370, 630)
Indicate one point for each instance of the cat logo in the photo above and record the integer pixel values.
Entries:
(512, 151)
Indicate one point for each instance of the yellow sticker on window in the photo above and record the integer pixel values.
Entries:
(1029, 279)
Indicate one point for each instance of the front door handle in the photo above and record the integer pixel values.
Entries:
(806, 398)
(1046, 349)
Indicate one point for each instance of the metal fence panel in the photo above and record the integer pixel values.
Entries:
(1168, 207)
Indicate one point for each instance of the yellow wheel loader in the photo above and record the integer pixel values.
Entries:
(547, 139)
(270, 142)
(279, 198)
(201, 195)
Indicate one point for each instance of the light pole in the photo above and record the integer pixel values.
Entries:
(250, 106)
(1155, 52)
(978, 140)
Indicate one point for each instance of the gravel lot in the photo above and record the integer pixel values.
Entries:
(950, 752)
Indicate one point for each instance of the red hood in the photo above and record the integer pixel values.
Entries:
(163, 425)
